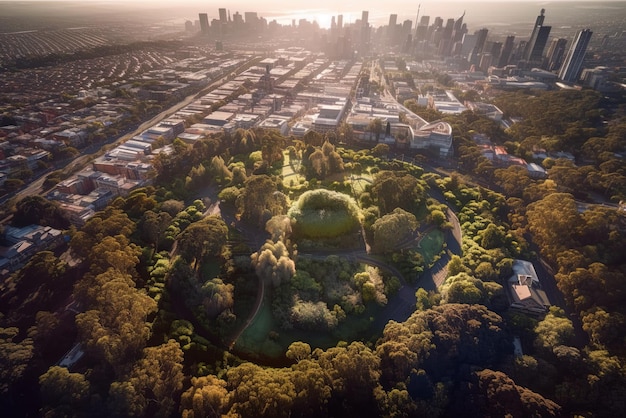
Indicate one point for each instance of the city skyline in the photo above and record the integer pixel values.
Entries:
(504, 18)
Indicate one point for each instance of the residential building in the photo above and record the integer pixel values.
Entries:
(524, 290)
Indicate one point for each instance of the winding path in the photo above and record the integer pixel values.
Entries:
(400, 307)
(257, 306)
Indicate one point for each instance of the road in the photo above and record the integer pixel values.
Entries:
(36, 186)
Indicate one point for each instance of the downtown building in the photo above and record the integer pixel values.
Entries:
(572, 66)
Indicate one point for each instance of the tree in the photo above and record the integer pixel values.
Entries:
(554, 330)
(15, 356)
(604, 327)
(173, 207)
(152, 385)
(256, 199)
(298, 351)
(393, 229)
(353, 373)
(463, 288)
(272, 148)
(492, 237)
(207, 237)
(64, 393)
(109, 222)
(154, 226)
(272, 263)
(115, 329)
(40, 211)
(313, 138)
(138, 203)
(513, 180)
(551, 221)
(218, 296)
(380, 150)
(260, 392)
(491, 393)
(312, 389)
(207, 397)
(114, 253)
(397, 190)
(376, 127)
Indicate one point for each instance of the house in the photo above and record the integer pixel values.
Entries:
(524, 290)
(20, 244)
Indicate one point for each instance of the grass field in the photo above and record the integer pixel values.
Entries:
(430, 245)
(291, 176)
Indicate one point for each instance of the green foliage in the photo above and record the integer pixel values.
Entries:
(111, 337)
(109, 222)
(15, 356)
(323, 214)
(463, 288)
(40, 211)
(260, 200)
(554, 330)
(312, 316)
(398, 190)
(393, 229)
(273, 264)
(493, 393)
(151, 384)
(205, 238)
(63, 393)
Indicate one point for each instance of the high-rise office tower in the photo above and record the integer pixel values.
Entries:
(204, 23)
(507, 49)
(447, 32)
(538, 39)
(339, 22)
(223, 18)
(468, 44)
(238, 19)
(393, 20)
(365, 32)
(495, 49)
(481, 39)
(421, 29)
(555, 54)
(459, 29)
(536, 53)
(251, 18)
(393, 32)
(572, 66)
(445, 44)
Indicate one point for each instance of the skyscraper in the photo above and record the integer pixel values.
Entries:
(481, 39)
(365, 32)
(223, 18)
(506, 51)
(459, 29)
(364, 18)
(555, 54)
(572, 66)
(538, 39)
(393, 19)
(204, 23)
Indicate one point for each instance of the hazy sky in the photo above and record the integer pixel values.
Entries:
(494, 14)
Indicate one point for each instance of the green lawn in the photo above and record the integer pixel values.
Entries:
(431, 244)
(290, 176)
